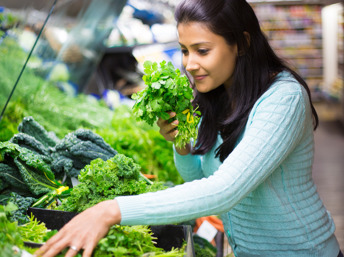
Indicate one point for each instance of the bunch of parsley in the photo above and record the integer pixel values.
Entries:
(167, 90)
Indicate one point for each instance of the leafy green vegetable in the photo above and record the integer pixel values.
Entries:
(102, 180)
(9, 235)
(29, 142)
(78, 149)
(143, 143)
(34, 172)
(12, 236)
(203, 248)
(10, 177)
(42, 100)
(23, 203)
(31, 127)
(167, 90)
(131, 241)
(9, 123)
(33, 231)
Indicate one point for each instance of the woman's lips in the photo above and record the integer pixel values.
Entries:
(200, 77)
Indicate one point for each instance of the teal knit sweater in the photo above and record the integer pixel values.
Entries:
(263, 190)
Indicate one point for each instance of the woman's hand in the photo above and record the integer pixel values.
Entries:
(84, 231)
(169, 131)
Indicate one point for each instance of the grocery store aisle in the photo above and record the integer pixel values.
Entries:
(328, 171)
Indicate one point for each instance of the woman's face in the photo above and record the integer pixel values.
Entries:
(206, 56)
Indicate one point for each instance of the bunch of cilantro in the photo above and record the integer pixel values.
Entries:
(167, 90)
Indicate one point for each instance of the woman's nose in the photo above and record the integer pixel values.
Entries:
(191, 64)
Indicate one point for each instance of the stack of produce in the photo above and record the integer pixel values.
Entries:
(61, 114)
(35, 162)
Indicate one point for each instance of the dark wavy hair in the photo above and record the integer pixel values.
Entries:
(227, 110)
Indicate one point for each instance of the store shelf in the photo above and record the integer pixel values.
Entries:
(294, 32)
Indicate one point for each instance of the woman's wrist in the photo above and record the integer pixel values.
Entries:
(112, 213)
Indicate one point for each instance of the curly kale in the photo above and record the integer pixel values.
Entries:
(23, 203)
(102, 180)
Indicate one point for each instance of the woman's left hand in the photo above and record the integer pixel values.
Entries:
(84, 231)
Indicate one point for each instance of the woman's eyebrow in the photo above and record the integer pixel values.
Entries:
(196, 44)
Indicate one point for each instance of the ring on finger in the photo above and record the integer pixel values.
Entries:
(74, 248)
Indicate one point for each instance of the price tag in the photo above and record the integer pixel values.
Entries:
(207, 231)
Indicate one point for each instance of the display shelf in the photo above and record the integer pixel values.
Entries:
(295, 33)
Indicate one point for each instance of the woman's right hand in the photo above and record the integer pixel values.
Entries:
(169, 131)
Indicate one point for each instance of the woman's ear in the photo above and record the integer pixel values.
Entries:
(246, 44)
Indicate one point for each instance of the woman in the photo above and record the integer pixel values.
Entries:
(252, 161)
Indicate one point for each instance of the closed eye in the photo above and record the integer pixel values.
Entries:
(203, 51)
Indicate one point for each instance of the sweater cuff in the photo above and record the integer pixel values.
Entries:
(131, 208)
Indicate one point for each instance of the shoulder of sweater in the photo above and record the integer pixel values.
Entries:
(284, 88)
(284, 92)
(285, 84)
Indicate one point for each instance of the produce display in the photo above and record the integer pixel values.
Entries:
(28, 172)
(62, 114)
(33, 163)
(33, 160)
(45, 102)
(49, 140)
(167, 90)
(120, 241)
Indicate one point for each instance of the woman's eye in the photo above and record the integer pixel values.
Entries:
(203, 51)
(184, 51)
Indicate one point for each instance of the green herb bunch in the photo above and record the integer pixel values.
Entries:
(167, 90)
